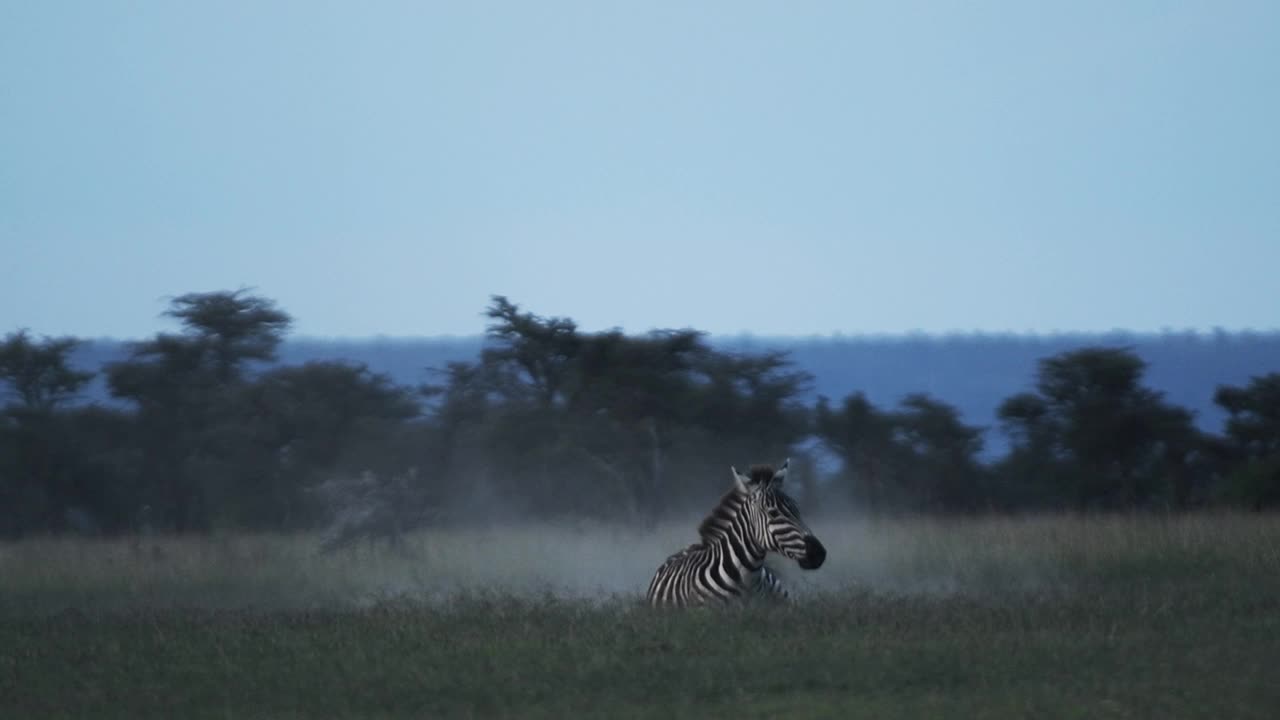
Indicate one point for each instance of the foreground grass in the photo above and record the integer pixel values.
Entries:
(1058, 617)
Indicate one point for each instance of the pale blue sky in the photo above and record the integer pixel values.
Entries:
(779, 168)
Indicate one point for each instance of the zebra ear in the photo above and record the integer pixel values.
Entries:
(781, 473)
(738, 481)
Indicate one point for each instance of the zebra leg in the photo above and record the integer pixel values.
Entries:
(770, 585)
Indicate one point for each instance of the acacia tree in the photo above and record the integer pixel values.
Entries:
(1252, 440)
(311, 424)
(38, 471)
(185, 388)
(940, 453)
(1033, 472)
(919, 457)
(233, 327)
(38, 374)
(530, 353)
(1092, 426)
(629, 397)
(609, 423)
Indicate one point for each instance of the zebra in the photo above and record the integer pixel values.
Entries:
(753, 518)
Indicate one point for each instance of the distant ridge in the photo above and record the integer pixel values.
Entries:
(972, 371)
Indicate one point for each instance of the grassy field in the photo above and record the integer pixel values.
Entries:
(1044, 617)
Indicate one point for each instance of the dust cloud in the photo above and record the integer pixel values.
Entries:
(539, 559)
(595, 561)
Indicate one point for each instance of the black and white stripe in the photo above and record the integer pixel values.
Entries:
(753, 519)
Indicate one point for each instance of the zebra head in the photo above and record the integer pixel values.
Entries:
(773, 519)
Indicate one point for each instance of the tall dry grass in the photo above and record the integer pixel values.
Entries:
(980, 557)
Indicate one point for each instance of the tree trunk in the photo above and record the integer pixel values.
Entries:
(656, 479)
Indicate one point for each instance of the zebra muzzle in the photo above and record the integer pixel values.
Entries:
(814, 554)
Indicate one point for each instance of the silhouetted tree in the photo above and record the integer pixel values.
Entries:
(39, 466)
(186, 388)
(550, 419)
(234, 327)
(940, 454)
(920, 457)
(1252, 447)
(862, 437)
(617, 423)
(533, 353)
(301, 425)
(38, 374)
(1033, 474)
(1093, 427)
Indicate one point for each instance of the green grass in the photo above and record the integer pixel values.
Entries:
(1048, 617)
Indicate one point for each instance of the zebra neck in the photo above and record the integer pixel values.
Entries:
(738, 548)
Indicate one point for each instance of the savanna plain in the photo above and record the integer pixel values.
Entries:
(1049, 616)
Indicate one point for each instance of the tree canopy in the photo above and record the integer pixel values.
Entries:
(210, 431)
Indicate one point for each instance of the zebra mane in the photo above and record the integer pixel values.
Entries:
(713, 525)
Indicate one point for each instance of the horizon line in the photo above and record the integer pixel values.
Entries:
(746, 335)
